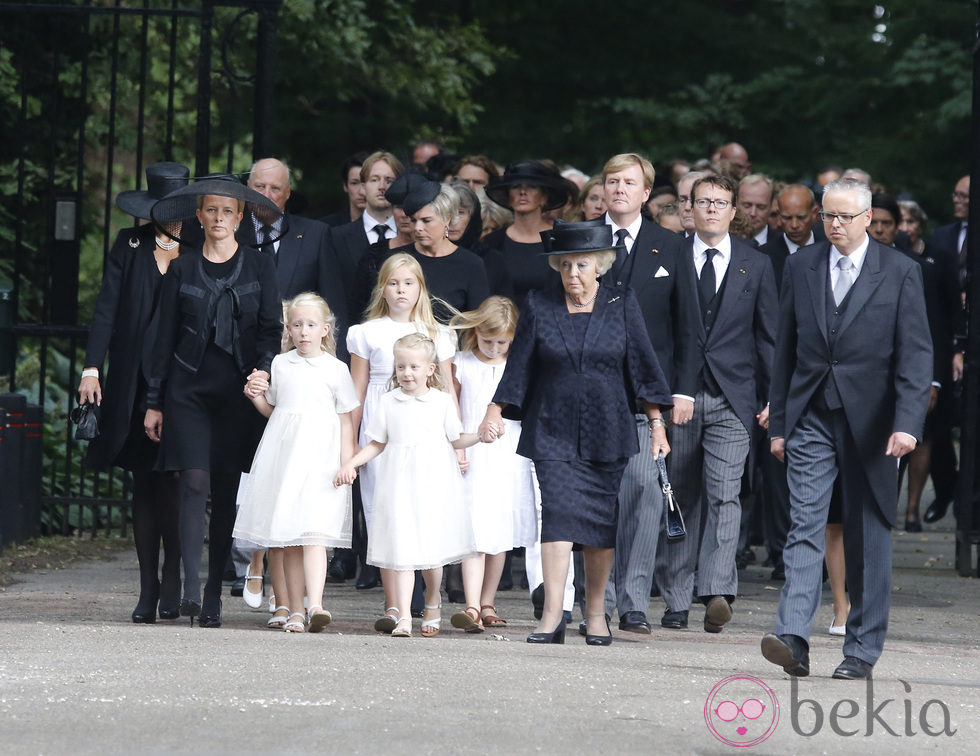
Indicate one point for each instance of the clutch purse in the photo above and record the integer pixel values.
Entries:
(86, 420)
(675, 520)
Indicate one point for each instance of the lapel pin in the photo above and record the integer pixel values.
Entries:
(742, 271)
(655, 251)
(134, 242)
(612, 300)
(299, 236)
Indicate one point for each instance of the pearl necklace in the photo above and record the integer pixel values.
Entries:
(584, 304)
(167, 246)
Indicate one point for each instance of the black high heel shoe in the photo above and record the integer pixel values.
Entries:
(145, 612)
(556, 636)
(210, 615)
(190, 609)
(169, 599)
(599, 640)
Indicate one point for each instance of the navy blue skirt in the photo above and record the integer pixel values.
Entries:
(580, 500)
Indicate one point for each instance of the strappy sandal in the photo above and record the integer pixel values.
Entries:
(319, 619)
(468, 623)
(490, 618)
(295, 626)
(430, 627)
(400, 631)
(277, 620)
(386, 623)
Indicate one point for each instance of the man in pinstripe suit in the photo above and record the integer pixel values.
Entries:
(850, 388)
(718, 393)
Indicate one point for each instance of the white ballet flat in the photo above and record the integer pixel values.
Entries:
(837, 629)
(254, 600)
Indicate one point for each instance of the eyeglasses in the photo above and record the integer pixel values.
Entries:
(704, 203)
(960, 197)
(751, 709)
(844, 218)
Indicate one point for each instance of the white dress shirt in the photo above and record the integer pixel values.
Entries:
(370, 223)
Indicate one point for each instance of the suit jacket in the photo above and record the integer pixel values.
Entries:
(577, 399)
(881, 360)
(777, 250)
(945, 241)
(739, 348)
(348, 244)
(121, 327)
(654, 271)
(307, 262)
(945, 315)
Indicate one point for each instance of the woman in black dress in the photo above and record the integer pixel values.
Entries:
(528, 188)
(220, 320)
(121, 328)
(580, 364)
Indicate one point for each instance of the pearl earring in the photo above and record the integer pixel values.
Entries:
(236, 226)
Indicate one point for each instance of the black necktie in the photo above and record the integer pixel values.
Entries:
(380, 230)
(706, 284)
(266, 242)
(621, 255)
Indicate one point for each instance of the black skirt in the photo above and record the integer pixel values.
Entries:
(206, 417)
(580, 500)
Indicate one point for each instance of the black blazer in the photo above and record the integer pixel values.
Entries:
(577, 400)
(945, 242)
(184, 331)
(740, 346)
(121, 327)
(654, 271)
(881, 360)
(946, 318)
(348, 244)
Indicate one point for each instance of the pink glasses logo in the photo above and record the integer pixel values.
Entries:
(741, 711)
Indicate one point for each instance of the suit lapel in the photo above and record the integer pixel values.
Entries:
(559, 311)
(818, 278)
(738, 268)
(287, 257)
(687, 258)
(865, 284)
(597, 320)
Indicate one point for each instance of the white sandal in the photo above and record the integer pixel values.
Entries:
(431, 627)
(319, 619)
(295, 626)
(401, 632)
(276, 621)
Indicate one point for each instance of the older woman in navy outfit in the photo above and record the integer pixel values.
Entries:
(580, 363)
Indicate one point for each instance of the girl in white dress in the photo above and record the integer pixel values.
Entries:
(400, 305)
(420, 521)
(498, 483)
(290, 501)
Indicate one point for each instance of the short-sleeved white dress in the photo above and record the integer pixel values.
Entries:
(374, 341)
(420, 518)
(499, 485)
(289, 497)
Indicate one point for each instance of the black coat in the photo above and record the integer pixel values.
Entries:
(121, 328)
(577, 400)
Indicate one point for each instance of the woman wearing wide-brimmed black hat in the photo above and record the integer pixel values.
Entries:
(220, 320)
(580, 365)
(528, 188)
(121, 328)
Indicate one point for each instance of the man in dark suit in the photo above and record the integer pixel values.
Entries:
(350, 242)
(350, 176)
(755, 198)
(718, 393)
(648, 261)
(849, 394)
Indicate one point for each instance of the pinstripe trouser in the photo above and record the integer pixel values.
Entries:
(641, 516)
(706, 461)
(819, 449)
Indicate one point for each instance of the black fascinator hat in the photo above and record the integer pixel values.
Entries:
(578, 237)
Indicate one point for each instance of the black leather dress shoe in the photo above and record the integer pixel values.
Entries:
(936, 511)
(370, 577)
(717, 613)
(913, 526)
(238, 587)
(674, 620)
(853, 668)
(778, 572)
(634, 622)
(342, 567)
(790, 652)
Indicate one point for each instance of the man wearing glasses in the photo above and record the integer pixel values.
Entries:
(719, 392)
(850, 388)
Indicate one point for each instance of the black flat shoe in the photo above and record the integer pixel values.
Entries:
(557, 636)
(600, 640)
(190, 609)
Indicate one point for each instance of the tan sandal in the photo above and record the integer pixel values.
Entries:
(468, 623)
(431, 627)
(490, 618)
(319, 619)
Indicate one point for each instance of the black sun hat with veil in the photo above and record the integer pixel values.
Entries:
(181, 205)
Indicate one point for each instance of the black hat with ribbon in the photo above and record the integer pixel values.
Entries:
(578, 237)
(531, 173)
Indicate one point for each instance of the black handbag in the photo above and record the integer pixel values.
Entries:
(86, 419)
(675, 520)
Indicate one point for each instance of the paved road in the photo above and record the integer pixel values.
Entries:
(76, 676)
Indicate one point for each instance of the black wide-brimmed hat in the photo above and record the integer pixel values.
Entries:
(161, 179)
(421, 196)
(578, 237)
(182, 203)
(530, 173)
(404, 184)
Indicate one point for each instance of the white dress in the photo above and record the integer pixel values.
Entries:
(289, 497)
(374, 341)
(420, 518)
(499, 485)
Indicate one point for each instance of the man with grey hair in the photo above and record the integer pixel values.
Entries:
(857, 174)
(850, 388)
(755, 199)
(684, 202)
